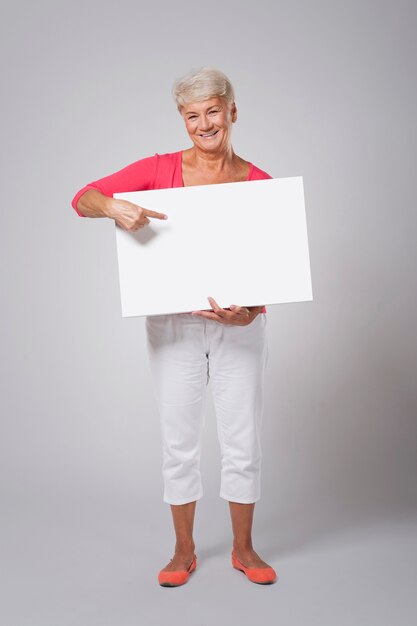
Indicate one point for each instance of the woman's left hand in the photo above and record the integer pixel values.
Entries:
(236, 315)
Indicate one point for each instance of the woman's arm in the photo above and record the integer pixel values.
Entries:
(96, 198)
(93, 203)
(137, 176)
(127, 215)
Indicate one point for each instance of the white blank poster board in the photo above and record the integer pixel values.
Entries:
(242, 243)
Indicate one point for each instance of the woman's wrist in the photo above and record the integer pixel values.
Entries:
(108, 208)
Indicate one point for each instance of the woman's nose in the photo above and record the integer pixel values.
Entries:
(204, 124)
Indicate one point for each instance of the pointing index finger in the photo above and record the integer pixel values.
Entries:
(149, 213)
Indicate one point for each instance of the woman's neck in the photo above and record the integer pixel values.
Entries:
(210, 162)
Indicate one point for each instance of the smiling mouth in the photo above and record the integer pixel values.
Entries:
(208, 135)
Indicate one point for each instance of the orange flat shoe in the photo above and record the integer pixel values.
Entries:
(261, 575)
(175, 578)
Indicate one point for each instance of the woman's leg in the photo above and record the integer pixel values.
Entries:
(183, 519)
(237, 362)
(179, 369)
(242, 519)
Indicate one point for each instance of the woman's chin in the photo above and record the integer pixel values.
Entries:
(208, 147)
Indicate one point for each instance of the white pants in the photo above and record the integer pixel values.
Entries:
(185, 352)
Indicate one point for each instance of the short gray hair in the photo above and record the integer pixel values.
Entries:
(202, 83)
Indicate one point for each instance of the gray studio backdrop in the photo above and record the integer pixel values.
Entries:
(324, 90)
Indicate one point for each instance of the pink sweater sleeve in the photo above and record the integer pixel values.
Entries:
(137, 176)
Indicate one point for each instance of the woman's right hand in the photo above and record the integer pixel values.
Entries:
(131, 216)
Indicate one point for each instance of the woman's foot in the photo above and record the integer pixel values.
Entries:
(248, 557)
(178, 570)
(181, 560)
(250, 563)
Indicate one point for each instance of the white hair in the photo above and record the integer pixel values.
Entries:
(202, 83)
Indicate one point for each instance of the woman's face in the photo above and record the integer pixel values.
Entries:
(213, 117)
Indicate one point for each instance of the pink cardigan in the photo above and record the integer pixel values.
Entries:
(161, 171)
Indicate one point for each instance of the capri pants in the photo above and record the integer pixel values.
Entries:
(186, 351)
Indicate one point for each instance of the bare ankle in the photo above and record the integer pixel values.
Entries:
(184, 545)
(243, 545)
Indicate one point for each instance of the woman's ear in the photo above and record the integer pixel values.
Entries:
(234, 112)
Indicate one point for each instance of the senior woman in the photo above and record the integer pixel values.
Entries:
(226, 345)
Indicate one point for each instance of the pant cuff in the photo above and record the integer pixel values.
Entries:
(239, 500)
(183, 500)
